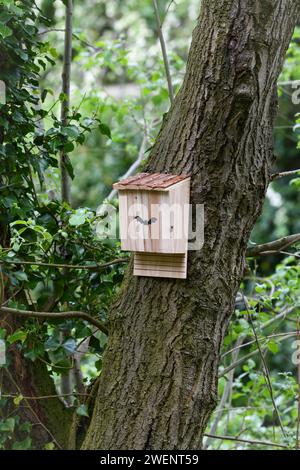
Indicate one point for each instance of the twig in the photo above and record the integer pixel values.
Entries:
(167, 10)
(248, 356)
(246, 441)
(132, 168)
(46, 31)
(164, 51)
(226, 393)
(68, 266)
(274, 246)
(33, 411)
(57, 316)
(282, 174)
(45, 397)
(265, 367)
(244, 345)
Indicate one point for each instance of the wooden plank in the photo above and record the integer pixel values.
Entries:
(156, 265)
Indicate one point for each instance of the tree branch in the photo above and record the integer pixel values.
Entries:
(65, 105)
(243, 359)
(246, 441)
(57, 316)
(164, 51)
(91, 267)
(273, 247)
(266, 372)
(282, 174)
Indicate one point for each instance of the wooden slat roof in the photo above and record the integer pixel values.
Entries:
(150, 182)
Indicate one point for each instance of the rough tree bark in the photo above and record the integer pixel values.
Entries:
(159, 381)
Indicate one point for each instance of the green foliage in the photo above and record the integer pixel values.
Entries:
(273, 312)
(38, 228)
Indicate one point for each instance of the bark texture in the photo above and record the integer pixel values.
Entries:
(159, 381)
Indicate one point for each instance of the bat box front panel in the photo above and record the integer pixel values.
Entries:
(154, 221)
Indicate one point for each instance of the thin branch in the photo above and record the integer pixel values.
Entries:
(32, 410)
(226, 393)
(249, 343)
(65, 105)
(46, 397)
(91, 267)
(56, 316)
(62, 30)
(273, 247)
(265, 367)
(164, 51)
(167, 11)
(246, 441)
(50, 30)
(132, 168)
(282, 174)
(249, 355)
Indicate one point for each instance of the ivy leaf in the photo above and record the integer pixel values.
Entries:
(20, 275)
(8, 425)
(71, 131)
(5, 31)
(77, 219)
(52, 343)
(22, 445)
(82, 410)
(69, 346)
(19, 335)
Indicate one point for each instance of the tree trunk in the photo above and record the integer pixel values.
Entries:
(158, 386)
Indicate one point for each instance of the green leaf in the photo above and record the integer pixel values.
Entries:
(52, 343)
(49, 446)
(7, 3)
(18, 399)
(5, 31)
(62, 97)
(69, 345)
(22, 445)
(68, 147)
(71, 131)
(273, 346)
(7, 425)
(19, 335)
(82, 410)
(77, 219)
(260, 288)
(105, 130)
(2, 333)
(25, 427)
(20, 275)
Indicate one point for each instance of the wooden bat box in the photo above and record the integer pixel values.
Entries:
(154, 220)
